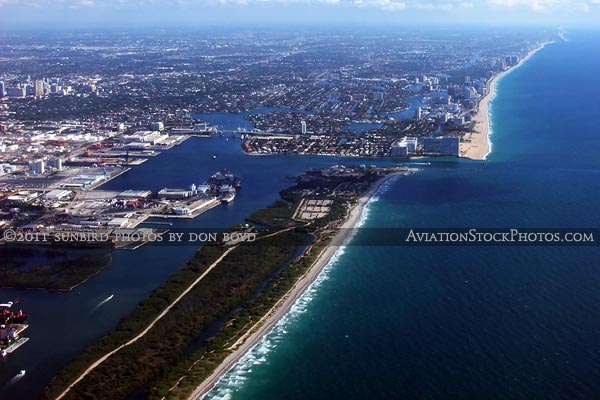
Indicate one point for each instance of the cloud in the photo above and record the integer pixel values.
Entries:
(539, 6)
(388, 5)
(457, 6)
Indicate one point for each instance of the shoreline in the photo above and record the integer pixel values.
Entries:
(266, 324)
(480, 145)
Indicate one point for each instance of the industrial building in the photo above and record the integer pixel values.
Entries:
(83, 181)
(135, 194)
(175, 194)
(58, 194)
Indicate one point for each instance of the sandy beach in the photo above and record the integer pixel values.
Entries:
(477, 145)
(266, 324)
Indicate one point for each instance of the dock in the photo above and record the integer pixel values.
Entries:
(20, 342)
(195, 209)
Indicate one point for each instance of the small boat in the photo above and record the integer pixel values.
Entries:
(21, 373)
(214, 157)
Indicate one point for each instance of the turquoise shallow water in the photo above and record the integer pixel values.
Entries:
(464, 322)
(132, 276)
(405, 322)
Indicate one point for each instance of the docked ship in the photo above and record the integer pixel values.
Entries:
(228, 196)
(223, 178)
(11, 326)
(7, 316)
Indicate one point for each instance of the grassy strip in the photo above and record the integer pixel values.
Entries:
(279, 214)
(187, 374)
(231, 283)
(134, 323)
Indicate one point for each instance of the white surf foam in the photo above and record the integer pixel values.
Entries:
(235, 378)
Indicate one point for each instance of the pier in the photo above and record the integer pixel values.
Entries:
(13, 347)
(18, 342)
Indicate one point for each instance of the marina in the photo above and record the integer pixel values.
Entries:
(133, 275)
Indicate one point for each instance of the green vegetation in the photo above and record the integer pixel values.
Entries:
(233, 282)
(188, 373)
(279, 214)
(39, 267)
(171, 360)
(134, 323)
(409, 127)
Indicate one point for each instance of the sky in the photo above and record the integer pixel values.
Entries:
(106, 13)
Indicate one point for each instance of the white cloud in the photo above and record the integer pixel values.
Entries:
(388, 5)
(537, 6)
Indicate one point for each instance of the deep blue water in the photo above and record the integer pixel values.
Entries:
(464, 322)
(233, 121)
(63, 324)
(407, 322)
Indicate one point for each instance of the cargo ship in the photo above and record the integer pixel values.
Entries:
(9, 317)
(12, 324)
(225, 177)
(228, 196)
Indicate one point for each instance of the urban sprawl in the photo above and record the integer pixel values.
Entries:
(79, 110)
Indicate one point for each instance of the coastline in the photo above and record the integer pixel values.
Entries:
(479, 146)
(247, 342)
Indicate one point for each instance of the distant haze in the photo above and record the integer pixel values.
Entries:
(67, 14)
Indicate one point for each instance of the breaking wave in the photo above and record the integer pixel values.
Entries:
(235, 378)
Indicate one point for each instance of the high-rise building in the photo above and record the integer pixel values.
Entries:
(439, 146)
(2, 89)
(39, 88)
(419, 113)
(56, 163)
(37, 167)
(157, 126)
(16, 92)
(303, 124)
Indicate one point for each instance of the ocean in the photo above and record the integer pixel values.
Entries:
(464, 322)
(81, 315)
(380, 322)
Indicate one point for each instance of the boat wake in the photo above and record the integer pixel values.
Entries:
(106, 300)
(420, 163)
(14, 380)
